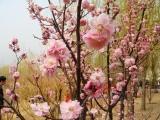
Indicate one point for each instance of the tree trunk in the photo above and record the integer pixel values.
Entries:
(150, 94)
(131, 103)
(110, 114)
(143, 102)
(122, 109)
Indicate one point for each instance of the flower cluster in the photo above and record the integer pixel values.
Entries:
(13, 70)
(12, 95)
(101, 31)
(40, 109)
(70, 110)
(95, 86)
(14, 45)
(58, 50)
(49, 66)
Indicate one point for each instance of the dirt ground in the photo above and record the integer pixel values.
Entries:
(152, 110)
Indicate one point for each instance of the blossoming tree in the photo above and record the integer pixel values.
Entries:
(75, 31)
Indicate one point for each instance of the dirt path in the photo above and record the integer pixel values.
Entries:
(152, 110)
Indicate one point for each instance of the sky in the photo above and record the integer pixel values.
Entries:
(16, 22)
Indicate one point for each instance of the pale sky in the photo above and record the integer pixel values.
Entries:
(16, 22)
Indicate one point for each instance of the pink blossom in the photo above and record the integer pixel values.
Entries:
(143, 46)
(117, 53)
(6, 110)
(114, 99)
(14, 96)
(58, 50)
(52, 7)
(16, 75)
(9, 92)
(120, 85)
(100, 33)
(114, 90)
(12, 69)
(103, 24)
(129, 62)
(45, 35)
(94, 87)
(40, 109)
(110, 79)
(49, 66)
(141, 52)
(83, 22)
(14, 45)
(98, 76)
(18, 85)
(70, 110)
(95, 39)
(85, 4)
(23, 56)
(14, 41)
(133, 68)
(93, 90)
(66, 1)
(157, 29)
(34, 8)
(82, 96)
(120, 76)
(91, 7)
(114, 65)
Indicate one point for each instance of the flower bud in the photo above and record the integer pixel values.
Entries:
(16, 75)
(66, 1)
